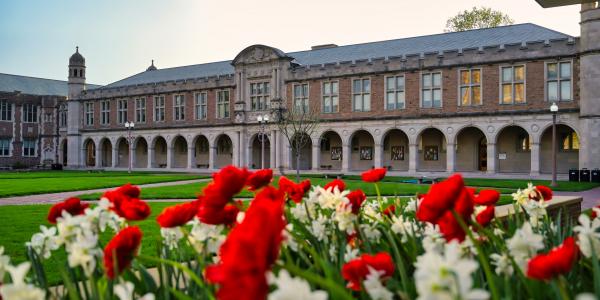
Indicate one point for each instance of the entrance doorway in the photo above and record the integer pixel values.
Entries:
(483, 155)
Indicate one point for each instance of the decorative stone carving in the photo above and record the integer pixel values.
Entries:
(450, 130)
(535, 128)
(490, 129)
(412, 131)
(377, 132)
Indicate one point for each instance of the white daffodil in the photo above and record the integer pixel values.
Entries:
(289, 288)
(370, 209)
(125, 292)
(104, 217)
(331, 198)
(18, 289)
(171, 237)
(207, 235)
(586, 296)
(288, 238)
(343, 216)
(404, 227)
(588, 235)
(350, 254)
(524, 244)
(433, 239)
(371, 232)
(374, 288)
(447, 275)
(44, 242)
(503, 264)
(319, 228)
(412, 205)
(84, 252)
(4, 263)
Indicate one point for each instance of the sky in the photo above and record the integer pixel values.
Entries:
(119, 38)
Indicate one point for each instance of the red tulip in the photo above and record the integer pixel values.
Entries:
(374, 175)
(485, 216)
(390, 210)
(356, 270)
(73, 206)
(340, 184)
(543, 191)
(356, 198)
(487, 197)
(121, 250)
(126, 203)
(294, 191)
(259, 179)
(177, 215)
(558, 261)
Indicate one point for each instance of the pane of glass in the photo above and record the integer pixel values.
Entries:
(464, 77)
(437, 98)
(390, 100)
(519, 93)
(476, 96)
(326, 88)
(297, 91)
(357, 102)
(551, 71)
(400, 100)
(552, 91)
(326, 103)
(506, 93)
(334, 102)
(390, 83)
(334, 87)
(464, 95)
(519, 73)
(565, 70)
(476, 76)
(426, 80)
(507, 74)
(575, 141)
(367, 102)
(305, 90)
(267, 88)
(366, 86)
(437, 79)
(426, 98)
(259, 89)
(565, 90)
(400, 83)
(356, 86)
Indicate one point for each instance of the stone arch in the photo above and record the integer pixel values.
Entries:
(395, 144)
(304, 148)
(513, 144)
(255, 148)
(89, 150)
(141, 152)
(224, 151)
(159, 144)
(180, 152)
(431, 145)
(567, 154)
(201, 151)
(122, 152)
(106, 152)
(331, 150)
(362, 150)
(471, 149)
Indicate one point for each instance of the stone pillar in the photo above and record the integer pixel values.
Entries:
(99, 155)
(151, 158)
(316, 157)
(450, 158)
(346, 157)
(212, 157)
(535, 159)
(191, 161)
(273, 153)
(378, 159)
(491, 158)
(170, 156)
(236, 152)
(115, 156)
(413, 158)
(133, 156)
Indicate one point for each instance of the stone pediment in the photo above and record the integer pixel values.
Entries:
(259, 54)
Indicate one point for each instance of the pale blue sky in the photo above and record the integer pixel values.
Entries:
(119, 37)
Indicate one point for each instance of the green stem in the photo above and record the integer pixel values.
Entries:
(562, 288)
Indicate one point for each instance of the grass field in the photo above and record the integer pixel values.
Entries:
(29, 183)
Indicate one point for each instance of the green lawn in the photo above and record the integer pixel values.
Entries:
(521, 183)
(29, 183)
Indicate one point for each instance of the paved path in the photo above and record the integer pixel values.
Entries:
(57, 197)
(591, 197)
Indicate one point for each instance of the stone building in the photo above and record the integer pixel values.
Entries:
(475, 102)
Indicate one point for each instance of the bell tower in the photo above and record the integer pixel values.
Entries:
(76, 87)
(76, 74)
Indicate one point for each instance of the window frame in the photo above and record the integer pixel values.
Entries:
(103, 112)
(571, 137)
(27, 116)
(304, 98)
(226, 104)
(140, 110)
(558, 81)
(35, 150)
(159, 108)
(395, 91)
(431, 89)
(179, 108)
(122, 112)
(470, 85)
(8, 150)
(203, 106)
(6, 111)
(513, 82)
(88, 112)
(362, 93)
(331, 94)
(265, 96)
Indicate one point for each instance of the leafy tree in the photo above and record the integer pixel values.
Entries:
(476, 18)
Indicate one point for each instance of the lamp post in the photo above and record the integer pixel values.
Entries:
(554, 111)
(129, 126)
(262, 120)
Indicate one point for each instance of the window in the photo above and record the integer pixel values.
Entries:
(105, 112)
(179, 107)
(394, 92)
(513, 85)
(200, 105)
(30, 113)
(330, 97)
(5, 110)
(558, 81)
(301, 97)
(223, 104)
(431, 90)
(159, 108)
(361, 95)
(523, 143)
(4, 147)
(570, 142)
(122, 111)
(259, 95)
(470, 87)
(29, 146)
(63, 115)
(88, 108)
(140, 110)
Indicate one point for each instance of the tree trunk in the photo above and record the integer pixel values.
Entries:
(297, 166)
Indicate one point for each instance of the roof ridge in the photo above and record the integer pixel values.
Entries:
(33, 77)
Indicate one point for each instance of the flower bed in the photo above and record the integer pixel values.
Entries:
(299, 241)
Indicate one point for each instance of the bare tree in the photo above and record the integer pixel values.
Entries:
(297, 125)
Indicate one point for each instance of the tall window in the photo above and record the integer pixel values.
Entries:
(361, 95)
(105, 112)
(63, 115)
(431, 90)
(394, 92)
(88, 109)
(4, 147)
(259, 95)
(30, 113)
(330, 97)
(140, 110)
(570, 142)
(301, 97)
(122, 111)
(558, 81)
(523, 143)
(29, 146)
(179, 107)
(513, 85)
(470, 87)
(200, 105)
(5, 110)
(223, 104)
(159, 108)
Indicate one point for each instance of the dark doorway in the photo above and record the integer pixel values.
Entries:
(483, 155)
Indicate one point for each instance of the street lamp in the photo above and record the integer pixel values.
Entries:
(554, 111)
(262, 120)
(129, 126)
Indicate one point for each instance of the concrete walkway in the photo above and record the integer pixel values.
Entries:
(57, 197)
(591, 197)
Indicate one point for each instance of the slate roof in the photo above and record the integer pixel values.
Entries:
(35, 86)
(512, 34)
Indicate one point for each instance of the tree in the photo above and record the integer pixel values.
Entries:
(297, 125)
(476, 18)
